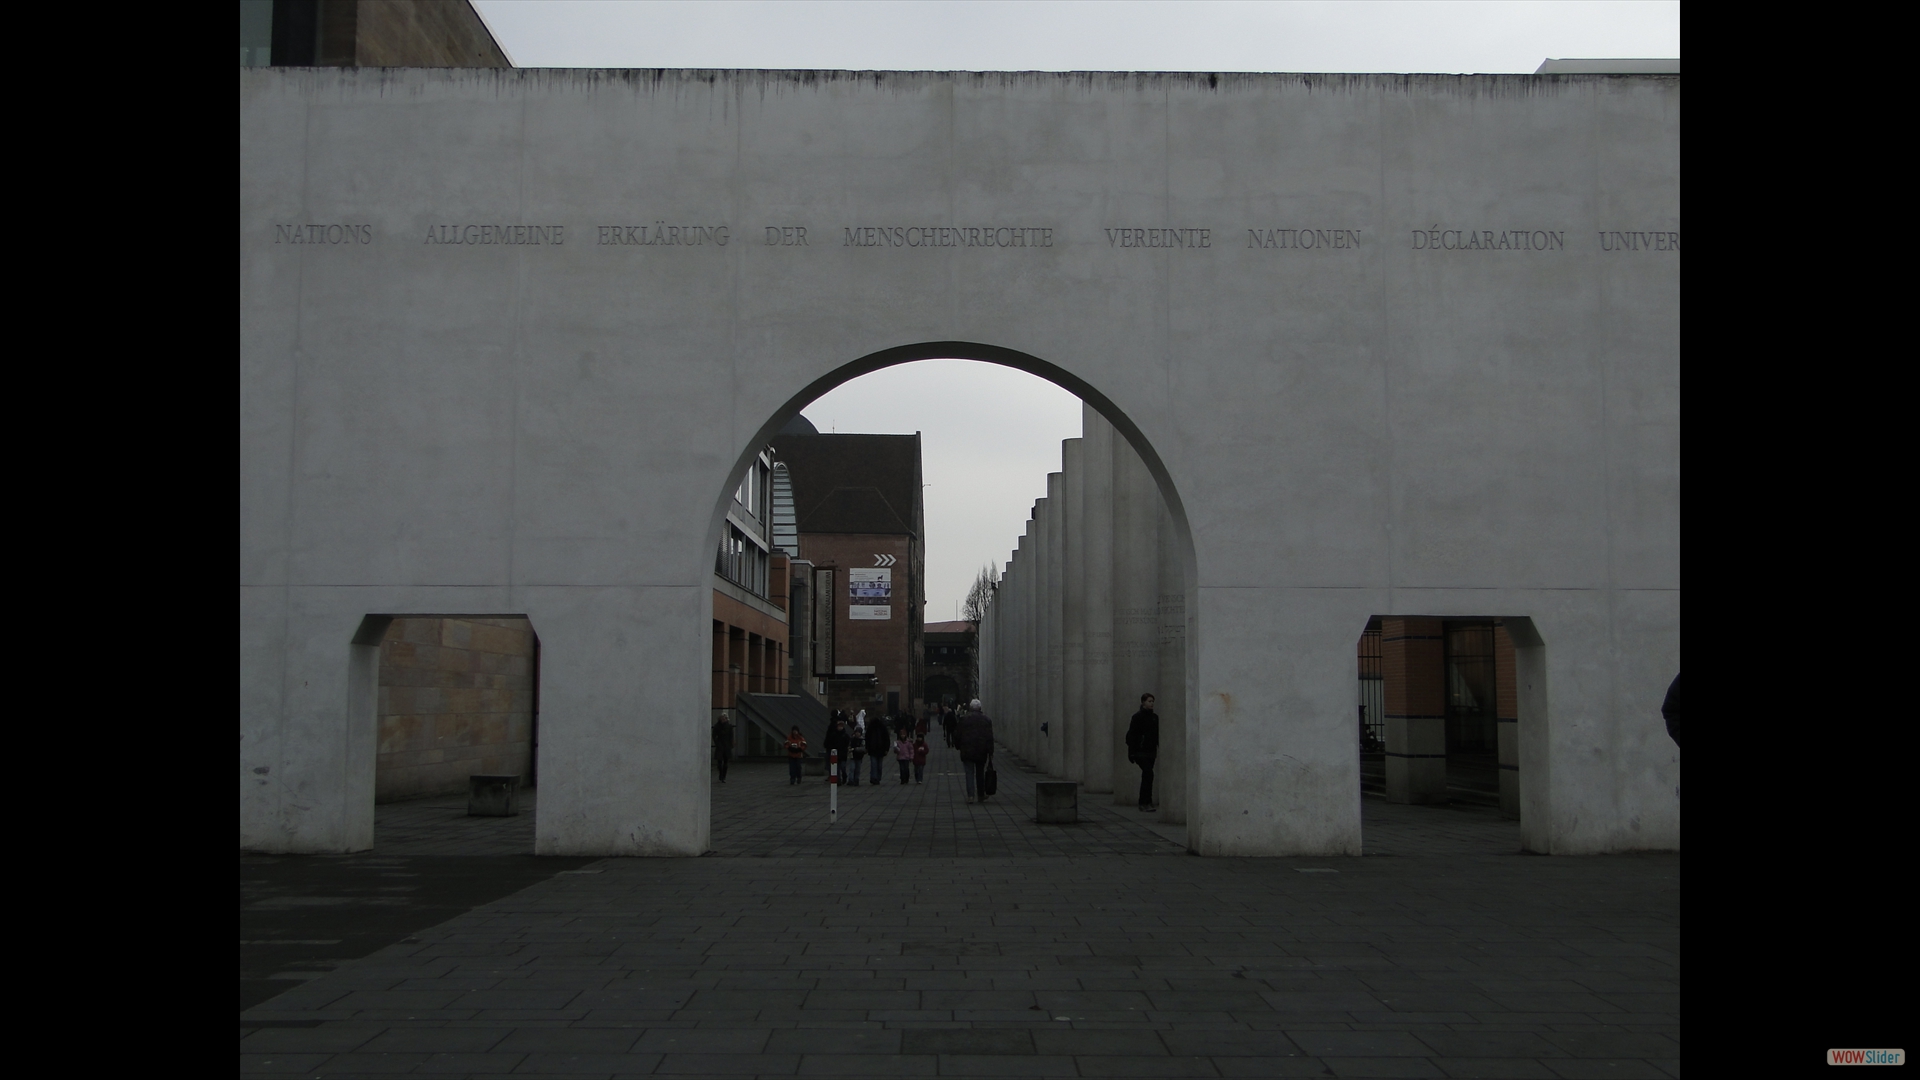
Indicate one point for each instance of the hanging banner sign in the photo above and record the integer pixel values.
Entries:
(869, 586)
(858, 612)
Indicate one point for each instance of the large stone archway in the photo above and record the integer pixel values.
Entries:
(1404, 344)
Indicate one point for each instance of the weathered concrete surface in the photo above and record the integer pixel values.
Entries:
(551, 430)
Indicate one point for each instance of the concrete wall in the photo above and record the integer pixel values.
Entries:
(1455, 401)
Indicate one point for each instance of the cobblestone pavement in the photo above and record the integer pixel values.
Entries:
(758, 813)
(1446, 954)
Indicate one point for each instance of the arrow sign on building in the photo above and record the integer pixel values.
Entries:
(883, 560)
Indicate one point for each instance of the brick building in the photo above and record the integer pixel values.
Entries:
(859, 523)
(750, 623)
(951, 671)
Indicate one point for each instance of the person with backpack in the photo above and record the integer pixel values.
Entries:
(973, 736)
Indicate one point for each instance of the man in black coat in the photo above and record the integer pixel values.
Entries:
(879, 741)
(838, 739)
(1143, 745)
(722, 744)
(973, 737)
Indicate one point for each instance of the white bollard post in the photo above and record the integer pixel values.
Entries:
(833, 786)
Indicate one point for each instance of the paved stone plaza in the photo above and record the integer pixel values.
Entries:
(921, 936)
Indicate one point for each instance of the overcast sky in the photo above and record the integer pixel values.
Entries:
(991, 434)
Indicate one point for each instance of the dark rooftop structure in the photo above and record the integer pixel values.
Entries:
(853, 483)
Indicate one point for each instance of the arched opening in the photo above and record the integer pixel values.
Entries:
(446, 709)
(1450, 710)
(1059, 666)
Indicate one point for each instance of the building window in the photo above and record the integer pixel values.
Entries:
(742, 561)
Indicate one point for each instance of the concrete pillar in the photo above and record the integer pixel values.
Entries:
(1073, 611)
(1170, 772)
(1053, 707)
(1135, 591)
(1044, 642)
(1097, 577)
(1412, 663)
(1507, 720)
(1019, 737)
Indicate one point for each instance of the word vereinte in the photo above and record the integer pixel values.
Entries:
(1160, 238)
(913, 236)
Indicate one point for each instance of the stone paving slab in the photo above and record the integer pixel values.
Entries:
(1240, 985)
(927, 937)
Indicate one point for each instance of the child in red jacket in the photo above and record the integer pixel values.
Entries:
(920, 758)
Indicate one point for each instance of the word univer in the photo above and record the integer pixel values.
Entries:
(1160, 238)
(1439, 239)
(1005, 236)
(1304, 239)
(496, 234)
(664, 235)
(323, 234)
(1639, 241)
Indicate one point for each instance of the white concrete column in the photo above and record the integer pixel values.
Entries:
(1135, 591)
(1096, 575)
(1073, 611)
(1170, 772)
(1053, 708)
(1019, 736)
(1044, 641)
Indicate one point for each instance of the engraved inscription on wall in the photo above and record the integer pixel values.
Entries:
(1639, 241)
(661, 234)
(323, 234)
(787, 236)
(1439, 239)
(1160, 238)
(482, 235)
(1304, 239)
(939, 236)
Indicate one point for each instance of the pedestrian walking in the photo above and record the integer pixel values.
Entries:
(946, 726)
(879, 740)
(920, 727)
(920, 759)
(722, 744)
(973, 737)
(838, 738)
(1143, 745)
(796, 753)
(857, 734)
(903, 753)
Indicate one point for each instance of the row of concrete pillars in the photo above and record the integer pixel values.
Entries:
(1090, 614)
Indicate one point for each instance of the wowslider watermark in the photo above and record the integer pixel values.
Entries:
(1866, 1057)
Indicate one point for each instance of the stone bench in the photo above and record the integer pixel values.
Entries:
(1056, 802)
(493, 796)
